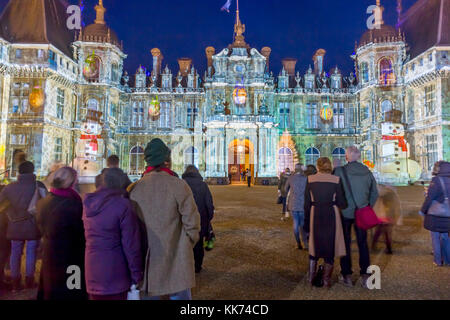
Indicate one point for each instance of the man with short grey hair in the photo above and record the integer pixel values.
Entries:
(361, 191)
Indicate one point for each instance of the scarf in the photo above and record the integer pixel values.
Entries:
(66, 193)
(150, 169)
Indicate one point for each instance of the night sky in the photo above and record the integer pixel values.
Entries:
(294, 28)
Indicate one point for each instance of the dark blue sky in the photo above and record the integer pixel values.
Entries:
(292, 28)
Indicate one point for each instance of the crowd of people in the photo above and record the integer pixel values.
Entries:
(105, 238)
(323, 202)
(153, 233)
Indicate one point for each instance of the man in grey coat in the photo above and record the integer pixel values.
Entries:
(365, 192)
(295, 188)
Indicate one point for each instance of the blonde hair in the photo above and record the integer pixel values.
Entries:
(64, 178)
(324, 165)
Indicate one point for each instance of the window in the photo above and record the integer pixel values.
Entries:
(18, 139)
(430, 57)
(165, 120)
(40, 53)
(18, 53)
(336, 83)
(137, 118)
(421, 62)
(114, 72)
(60, 97)
(312, 116)
(430, 100)
(386, 106)
(58, 149)
(339, 115)
(192, 114)
(387, 76)
(52, 60)
(191, 157)
(137, 162)
(338, 157)
(285, 160)
(19, 97)
(432, 151)
(113, 110)
(311, 156)
(285, 115)
(365, 72)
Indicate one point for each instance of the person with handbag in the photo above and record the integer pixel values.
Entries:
(113, 252)
(324, 196)
(436, 210)
(22, 230)
(361, 192)
(59, 217)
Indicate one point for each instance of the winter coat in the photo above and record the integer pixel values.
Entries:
(282, 184)
(324, 196)
(60, 221)
(295, 187)
(436, 193)
(19, 195)
(166, 205)
(363, 184)
(113, 259)
(203, 199)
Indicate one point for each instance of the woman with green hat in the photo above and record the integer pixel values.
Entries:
(166, 206)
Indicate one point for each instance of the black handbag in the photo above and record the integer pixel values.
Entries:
(318, 279)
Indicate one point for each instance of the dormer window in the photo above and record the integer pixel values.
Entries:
(18, 53)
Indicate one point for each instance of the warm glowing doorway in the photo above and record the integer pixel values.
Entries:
(240, 158)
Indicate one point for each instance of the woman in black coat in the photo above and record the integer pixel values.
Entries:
(439, 225)
(204, 201)
(60, 221)
(324, 196)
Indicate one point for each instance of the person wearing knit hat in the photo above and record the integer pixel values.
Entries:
(165, 204)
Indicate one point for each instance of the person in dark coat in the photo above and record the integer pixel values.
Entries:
(113, 255)
(5, 244)
(22, 229)
(283, 193)
(60, 221)
(205, 206)
(324, 196)
(439, 191)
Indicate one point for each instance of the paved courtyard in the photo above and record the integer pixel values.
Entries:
(256, 258)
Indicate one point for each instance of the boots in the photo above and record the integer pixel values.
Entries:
(327, 275)
(312, 271)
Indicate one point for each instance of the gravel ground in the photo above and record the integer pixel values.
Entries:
(256, 257)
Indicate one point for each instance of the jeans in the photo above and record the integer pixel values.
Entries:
(284, 202)
(441, 248)
(183, 295)
(299, 221)
(16, 257)
(361, 238)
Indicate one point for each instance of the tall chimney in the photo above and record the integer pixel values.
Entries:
(157, 60)
(266, 51)
(318, 61)
(185, 66)
(289, 65)
(210, 51)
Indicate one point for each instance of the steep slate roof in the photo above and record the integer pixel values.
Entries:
(426, 24)
(37, 22)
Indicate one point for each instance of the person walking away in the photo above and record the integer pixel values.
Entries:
(310, 170)
(324, 196)
(113, 259)
(249, 178)
(364, 188)
(60, 221)
(205, 206)
(166, 205)
(283, 193)
(22, 229)
(295, 186)
(436, 210)
(114, 162)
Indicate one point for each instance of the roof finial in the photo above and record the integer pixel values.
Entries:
(100, 9)
(378, 11)
(239, 30)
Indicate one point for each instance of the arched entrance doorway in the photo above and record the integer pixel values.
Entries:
(240, 159)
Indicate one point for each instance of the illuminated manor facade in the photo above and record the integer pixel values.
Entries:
(65, 97)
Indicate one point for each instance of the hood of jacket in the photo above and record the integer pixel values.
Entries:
(357, 169)
(26, 178)
(94, 203)
(193, 176)
(444, 169)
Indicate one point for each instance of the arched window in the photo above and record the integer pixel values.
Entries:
(285, 160)
(387, 76)
(338, 157)
(137, 162)
(92, 104)
(191, 157)
(312, 155)
(365, 72)
(386, 106)
(114, 72)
